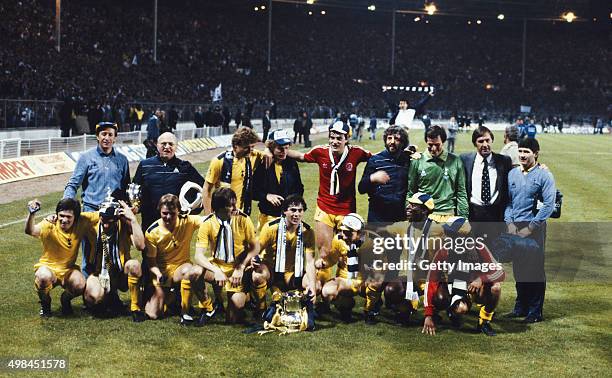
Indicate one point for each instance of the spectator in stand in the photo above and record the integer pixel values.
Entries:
(372, 127)
(530, 129)
(153, 126)
(453, 129)
(426, 124)
(106, 60)
(137, 117)
(227, 117)
(238, 117)
(511, 136)
(266, 125)
(94, 116)
(298, 127)
(216, 118)
(67, 118)
(306, 126)
(198, 117)
(173, 117)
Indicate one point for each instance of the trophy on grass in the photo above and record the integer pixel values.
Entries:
(292, 315)
(291, 311)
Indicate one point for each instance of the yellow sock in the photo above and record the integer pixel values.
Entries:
(134, 289)
(206, 304)
(185, 296)
(372, 296)
(259, 292)
(484, 315)
(421, 286)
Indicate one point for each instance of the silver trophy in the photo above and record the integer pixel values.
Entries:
(292, 314)
(134, 193)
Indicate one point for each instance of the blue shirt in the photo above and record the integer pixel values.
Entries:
(98, 172)
(525, 190)
(153, 128)
(387, 201)
(531, 130)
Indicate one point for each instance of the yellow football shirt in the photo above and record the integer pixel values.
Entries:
(243, 234)
(278, 170)
(339, 255)
(60, 249)
(171, 248)
(267, 243)
(213, 176)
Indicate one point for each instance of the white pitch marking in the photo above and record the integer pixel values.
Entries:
(20, 221)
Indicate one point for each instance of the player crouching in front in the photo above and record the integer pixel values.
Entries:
(168, 242)
(472, 275)
(351, 251)
(111, 265)
(226, 244)
(287, 243)
(60, 240)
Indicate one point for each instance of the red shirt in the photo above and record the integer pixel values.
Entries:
(435, 278)
(344, 202)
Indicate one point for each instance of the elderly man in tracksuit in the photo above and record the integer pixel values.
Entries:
(385, 178)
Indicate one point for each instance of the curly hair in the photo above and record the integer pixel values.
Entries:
(244, 137)
(397, 130)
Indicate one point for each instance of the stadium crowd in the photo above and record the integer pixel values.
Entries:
(106, 58)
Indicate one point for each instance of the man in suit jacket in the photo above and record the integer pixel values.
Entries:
(486, 184)
(272, 185)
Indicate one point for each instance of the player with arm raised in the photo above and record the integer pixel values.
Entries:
(60, 241)
(337, 163)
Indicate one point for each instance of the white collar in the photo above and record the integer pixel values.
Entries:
(480, 159)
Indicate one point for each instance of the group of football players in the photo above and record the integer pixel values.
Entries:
(332, 261)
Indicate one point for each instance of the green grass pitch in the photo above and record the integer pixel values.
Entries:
(575, 339)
